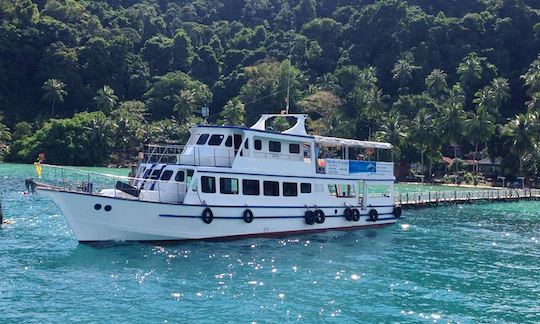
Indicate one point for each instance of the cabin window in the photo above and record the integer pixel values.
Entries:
(246, 145)
(216, 139)
(271, 188)
(305, 187)
(251, 187)
(258, 145)
(189, 175)
(228, 142)
(155, 174)
(180, 176)
(147, 173)
(237, 141)
(379, 190)
(290, 189)
(208, 184)
(167, 174)
(342, 190)
(294, 148)
(274, 146)
(202, 139)
(228, 186)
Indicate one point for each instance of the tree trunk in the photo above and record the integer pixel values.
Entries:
(422, 162)
(52, 108)
(456, 163)
(475, 161)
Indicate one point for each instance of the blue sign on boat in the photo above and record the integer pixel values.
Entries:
(362, 167)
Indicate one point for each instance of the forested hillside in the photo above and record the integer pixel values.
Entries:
(86, 82)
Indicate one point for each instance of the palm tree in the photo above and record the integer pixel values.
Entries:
(394, 131)
(186, 101)
(522, 132)
(234, 112)
(501, 90)
(54, 92)
(422, 133)
(470, 69)
(403, 70)
(436, 84)
(478, 127)
(374, 107)
(486, 99)
(533, 105)
(5, 136)
(106, 100)
(451, 125)
(532, 77)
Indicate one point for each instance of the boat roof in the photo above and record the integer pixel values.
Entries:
(299, 130)
(345, 142)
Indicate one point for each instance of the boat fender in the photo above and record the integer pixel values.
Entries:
(355, 215)
(309, 217)
(319, 216)
(373, 215)
(248, 216)
(348, 213)
(397, 211)
(207, 215)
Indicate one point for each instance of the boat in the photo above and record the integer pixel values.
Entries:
(231, 182)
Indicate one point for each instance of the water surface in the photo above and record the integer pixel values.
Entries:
(474, 263)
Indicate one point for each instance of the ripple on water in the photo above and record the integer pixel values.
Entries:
(465, 264)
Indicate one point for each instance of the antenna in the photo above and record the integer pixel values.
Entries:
(290, 66)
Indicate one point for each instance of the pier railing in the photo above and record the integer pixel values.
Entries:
(462, 196)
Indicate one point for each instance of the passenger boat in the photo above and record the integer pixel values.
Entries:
(230, 182)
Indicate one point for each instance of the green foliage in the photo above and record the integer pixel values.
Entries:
(364, 69)
(85, 139)
(175, 93)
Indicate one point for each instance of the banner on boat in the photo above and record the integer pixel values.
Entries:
(348, 167)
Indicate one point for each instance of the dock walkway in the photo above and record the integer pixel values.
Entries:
(437, 198)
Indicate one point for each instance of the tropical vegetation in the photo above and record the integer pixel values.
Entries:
(87, 82)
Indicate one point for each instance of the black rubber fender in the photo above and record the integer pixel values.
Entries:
(348, 213)
(397, 211)
(309, 217)
(207, 215)
(248, 216)
(373, 215)
(319, 216)
(356, 215)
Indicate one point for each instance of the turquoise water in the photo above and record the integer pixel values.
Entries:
(476, 263)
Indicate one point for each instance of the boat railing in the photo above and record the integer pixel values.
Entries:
(207, 156)
(279, 156)
(424, 197)
(158, 153)
(108, 185)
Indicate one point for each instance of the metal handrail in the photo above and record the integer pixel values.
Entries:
(95, 183)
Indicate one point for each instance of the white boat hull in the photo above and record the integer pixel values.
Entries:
(133, 220)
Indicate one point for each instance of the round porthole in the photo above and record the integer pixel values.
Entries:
(97, 206)
(335, 211)
(108, 208)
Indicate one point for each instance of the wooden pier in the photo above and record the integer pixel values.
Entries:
(437, 198)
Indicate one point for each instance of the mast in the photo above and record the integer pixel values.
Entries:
(290, 67)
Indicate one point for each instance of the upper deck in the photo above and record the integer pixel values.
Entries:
(292, 152)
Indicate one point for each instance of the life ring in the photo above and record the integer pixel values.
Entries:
(248, 216)
(309, 217)
(319, 216)
(397, 211)
(356, 215)
(348, 213)
(207, 215)
(373, 215)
